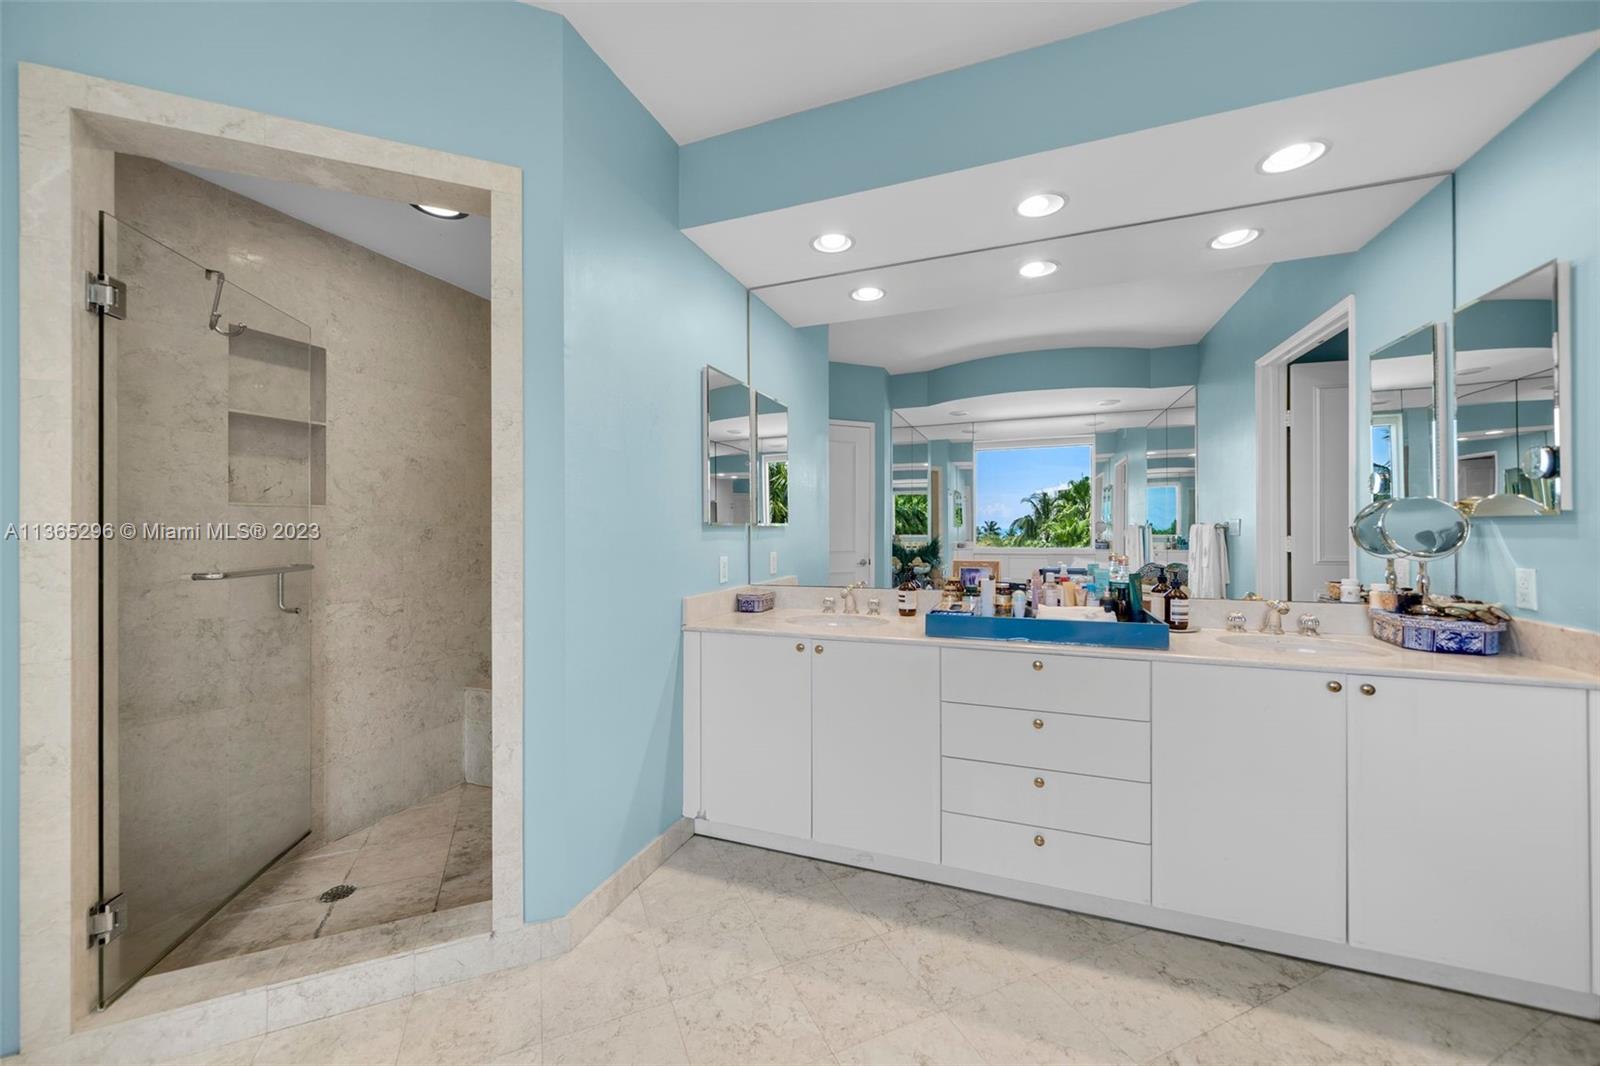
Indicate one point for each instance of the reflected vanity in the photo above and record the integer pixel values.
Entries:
(726, 444)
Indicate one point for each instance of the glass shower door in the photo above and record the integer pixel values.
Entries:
(211, 460)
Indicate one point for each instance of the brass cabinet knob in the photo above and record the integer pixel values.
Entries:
(1038, 841)
(800, 647)
(818, 649)
(1038, 664)
(1368, 690)
(1334, 686)
(1038, 723)
(1038, 782)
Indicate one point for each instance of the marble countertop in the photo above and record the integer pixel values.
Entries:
(1350, 653)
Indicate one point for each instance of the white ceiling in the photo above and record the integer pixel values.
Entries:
(453, 251)
(706, 68)
(1421, 122)
(1048, 414)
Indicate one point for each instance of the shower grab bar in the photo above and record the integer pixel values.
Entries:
(265, 571)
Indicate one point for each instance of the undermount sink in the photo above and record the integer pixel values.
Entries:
(1295, 645)
(837, 621)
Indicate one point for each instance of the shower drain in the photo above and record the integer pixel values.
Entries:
(337, 892)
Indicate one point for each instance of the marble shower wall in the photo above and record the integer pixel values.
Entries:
(398, 605)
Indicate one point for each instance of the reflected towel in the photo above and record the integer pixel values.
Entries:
(1208, 561)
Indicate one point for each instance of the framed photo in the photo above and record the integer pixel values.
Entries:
(972, 571)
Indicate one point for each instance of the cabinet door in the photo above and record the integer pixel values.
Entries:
(875, 754)
(755, 732)
(1468, 826)
(1248, 795)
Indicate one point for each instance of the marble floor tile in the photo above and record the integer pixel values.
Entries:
(238, 1053)
(377, 904)
(930, 1041)
(291, 882)
(888, 902)
(858, 992)
(600, 980)
(1248, 977)
(712, 949)
(628, 917)
(1559, 1041)
(955, 958)
(1047, 935)
(478, 1020)
(680, 889)
(1244, 1042)
(366, 1037)
(649, 1036)
(245, 932)
(807, 921)
(1028, 1023)
(399, 861)
(170, 989)
(333, 950)
(425, 819)
(760, 1019)
(764, 869)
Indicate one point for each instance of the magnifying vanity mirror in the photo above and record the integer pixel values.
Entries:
(1512, 379)
(1423, 529)
(726, 448)
(1404, 415)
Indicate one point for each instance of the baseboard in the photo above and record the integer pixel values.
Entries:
(1513, 990)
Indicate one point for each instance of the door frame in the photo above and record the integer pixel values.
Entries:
(1272, 459)
(70, 128)
(874, 533)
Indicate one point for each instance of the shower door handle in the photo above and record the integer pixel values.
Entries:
(263, 571)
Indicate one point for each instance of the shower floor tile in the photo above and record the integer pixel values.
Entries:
(433, 856)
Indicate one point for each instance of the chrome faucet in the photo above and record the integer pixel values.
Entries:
(849, 597)
(1272, 621)
(1310, 625)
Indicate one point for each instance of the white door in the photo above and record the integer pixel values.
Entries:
(1469, 809)
(755, 732)
(850, 491)
(1319, 477)
(1248, 796)
(875, 748)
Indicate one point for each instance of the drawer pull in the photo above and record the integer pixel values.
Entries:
(1038, 723)
(1038, 782)
(1334, 686)
(1038, 841)
(1368, 690)
(800, 647)
(1038, 664)
(819, 649)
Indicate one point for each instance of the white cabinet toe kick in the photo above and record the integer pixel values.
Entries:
(1434, 831)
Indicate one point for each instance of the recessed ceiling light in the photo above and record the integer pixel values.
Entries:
(956, 414)
(1038, 268)
(1293, 157)
(1041, 204)
(832, 242)
(1107, 403)
(1234, 238)
(866, 294)
(449, 214)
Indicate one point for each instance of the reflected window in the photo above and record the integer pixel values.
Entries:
(1161, 510)
(1034, 497)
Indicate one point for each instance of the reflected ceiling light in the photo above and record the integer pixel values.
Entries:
(448, 214)
(831, 243)
(1039, 268)
(866, 294)
(1041, 204)
(1234, 238)
(1107, 403)
(1293, 157)
(1494, 433)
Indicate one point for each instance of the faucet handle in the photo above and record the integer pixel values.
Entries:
(1310, 625)
(874, 605)
(827, 604)
(1236, 621)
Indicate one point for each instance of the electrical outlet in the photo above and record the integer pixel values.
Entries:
(722, 569)
(772, 563)
(1527, 588)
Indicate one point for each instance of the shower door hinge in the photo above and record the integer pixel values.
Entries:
(106, 295)
(108, 920)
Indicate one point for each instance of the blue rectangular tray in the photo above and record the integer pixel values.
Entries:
(1048, 630)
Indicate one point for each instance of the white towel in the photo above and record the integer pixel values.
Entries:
(1208, 561)
(1136, 546)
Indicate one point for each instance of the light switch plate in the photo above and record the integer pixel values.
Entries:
(1527, 588)
(772, 563)
(722, 569)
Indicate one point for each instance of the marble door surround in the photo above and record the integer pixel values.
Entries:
(70, 128)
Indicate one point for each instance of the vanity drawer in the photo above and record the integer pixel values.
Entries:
(1073, 684)
(1102, 747)
(1099, 806)
(1042, 856)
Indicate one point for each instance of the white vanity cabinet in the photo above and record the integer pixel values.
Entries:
(1469, 834)
(875, 748)
(755, 732)
(1248, 770)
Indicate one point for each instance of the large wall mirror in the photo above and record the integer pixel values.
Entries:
(1511, 383)
(726, 444)
(771, 475)
(1403, 416)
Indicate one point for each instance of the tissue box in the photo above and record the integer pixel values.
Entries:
(753, 601)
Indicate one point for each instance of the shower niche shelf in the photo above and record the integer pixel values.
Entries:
(277, 421)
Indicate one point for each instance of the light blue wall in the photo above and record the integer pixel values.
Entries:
(1200, 59)
(1529, 196)
(791, 365)
(861, 394)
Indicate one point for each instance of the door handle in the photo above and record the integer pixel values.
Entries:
(863, 562)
